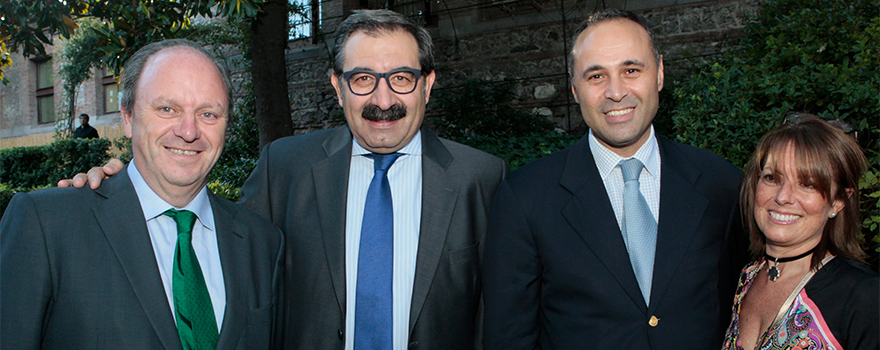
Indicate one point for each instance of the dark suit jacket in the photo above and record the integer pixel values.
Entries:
(301, 185)
(77, 271)
(556, 270)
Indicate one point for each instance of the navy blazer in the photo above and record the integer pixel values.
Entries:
(77, 271)
(556, 270)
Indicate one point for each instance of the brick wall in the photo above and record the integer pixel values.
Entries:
(19, 125)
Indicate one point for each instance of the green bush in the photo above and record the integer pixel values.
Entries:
(815, 56)
(23, 166)
(479, 114)
(25, 169)
(481, 107)
(6, 194)
(31, 167)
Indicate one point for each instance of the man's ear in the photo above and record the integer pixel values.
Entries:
(429, 83)
(334, 80)
(660, 74)
(126, 121)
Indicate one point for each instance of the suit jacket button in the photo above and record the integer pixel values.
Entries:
(653, 321)
(339, 332)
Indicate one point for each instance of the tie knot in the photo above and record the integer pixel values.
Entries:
(631, 169)
(185, 219)
(384, 161)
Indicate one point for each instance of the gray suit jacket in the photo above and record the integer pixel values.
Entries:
(77, 271)
(301, 184)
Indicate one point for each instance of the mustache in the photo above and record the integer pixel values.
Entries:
(374, 113)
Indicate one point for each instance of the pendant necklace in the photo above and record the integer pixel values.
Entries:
(773, 271)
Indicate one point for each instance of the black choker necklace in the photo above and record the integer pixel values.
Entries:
(773, 272)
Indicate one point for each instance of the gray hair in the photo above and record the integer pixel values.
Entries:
(374, 22)
(607, 15)
(131, 74)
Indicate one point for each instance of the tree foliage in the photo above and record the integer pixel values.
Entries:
(479, 114)
(815, 56)
(123, 27)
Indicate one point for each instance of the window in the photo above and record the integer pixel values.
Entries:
(417, 10)
(45, 92)
(304, 17)
(112, 93)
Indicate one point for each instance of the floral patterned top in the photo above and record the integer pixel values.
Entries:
(803, 325)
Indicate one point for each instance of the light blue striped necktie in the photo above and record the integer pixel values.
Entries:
(373, 300)
(639, 227)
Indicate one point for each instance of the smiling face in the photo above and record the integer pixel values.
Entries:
(789, 210)
(617, 83)
(178, 123)
(371, 117)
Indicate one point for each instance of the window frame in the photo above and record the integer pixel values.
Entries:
(107, 80)
(45, 92)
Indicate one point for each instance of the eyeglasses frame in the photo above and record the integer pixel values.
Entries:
(347, 77)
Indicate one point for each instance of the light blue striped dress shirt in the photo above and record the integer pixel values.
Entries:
(649, 180)
(405, 177)
(163, 236)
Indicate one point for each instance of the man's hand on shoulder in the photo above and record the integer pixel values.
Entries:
(95, 176)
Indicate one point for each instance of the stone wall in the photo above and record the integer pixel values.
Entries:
(528, 48)
(521, 40)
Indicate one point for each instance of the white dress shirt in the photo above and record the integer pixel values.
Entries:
(405, 178)
(608, 164)
(163, 236)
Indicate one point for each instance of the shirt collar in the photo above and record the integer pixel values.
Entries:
(414, 147)
(153, 205)
(606, 160)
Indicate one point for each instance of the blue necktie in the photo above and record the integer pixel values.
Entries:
(640, 228)
(372, 327)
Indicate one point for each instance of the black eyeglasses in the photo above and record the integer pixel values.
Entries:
(401, 81)
(843, 126)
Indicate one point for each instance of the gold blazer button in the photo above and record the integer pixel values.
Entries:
(653, 321)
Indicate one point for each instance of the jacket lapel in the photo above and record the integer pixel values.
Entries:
(678, 200)
(438, 200)
(121, 220)
(234, 261)
(590, 214)
(331, 191)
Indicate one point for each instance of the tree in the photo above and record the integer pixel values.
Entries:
(269, 71)
(815, 56)
(126, 28)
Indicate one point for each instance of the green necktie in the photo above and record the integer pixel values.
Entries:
(196, 324)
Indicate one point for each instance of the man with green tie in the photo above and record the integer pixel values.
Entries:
(152, 259)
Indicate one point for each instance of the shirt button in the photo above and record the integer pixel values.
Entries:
(653, 321)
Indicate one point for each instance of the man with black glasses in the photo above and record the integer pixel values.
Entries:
(379, 257)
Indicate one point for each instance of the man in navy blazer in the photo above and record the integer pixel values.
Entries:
(557, 269)
(83, 269)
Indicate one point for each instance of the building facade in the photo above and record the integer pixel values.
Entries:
(33, 104)
(525, 41)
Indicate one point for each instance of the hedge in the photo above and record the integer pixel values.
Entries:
(29, 168)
